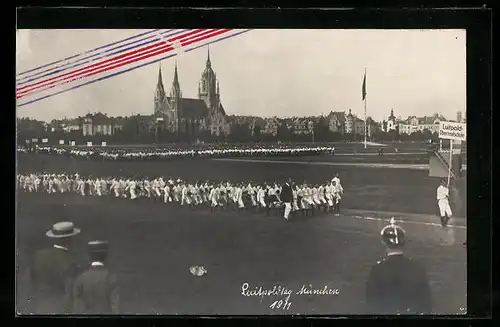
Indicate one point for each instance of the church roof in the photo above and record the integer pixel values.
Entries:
(193, 108)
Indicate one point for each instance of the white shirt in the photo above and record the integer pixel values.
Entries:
(97, 264)
(60, 247)
(442, 192)
(338, 186)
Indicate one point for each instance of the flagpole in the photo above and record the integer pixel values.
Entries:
(365, 111)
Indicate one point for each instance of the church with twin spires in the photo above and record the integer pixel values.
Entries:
(189, 116)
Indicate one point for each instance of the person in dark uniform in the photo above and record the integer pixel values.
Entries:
(286, 197)
(397, 284)
(53, 273)
(95, 290)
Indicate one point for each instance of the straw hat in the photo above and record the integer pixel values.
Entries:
(63, 229)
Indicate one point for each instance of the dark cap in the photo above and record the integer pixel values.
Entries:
(98, 246)
(393, 235)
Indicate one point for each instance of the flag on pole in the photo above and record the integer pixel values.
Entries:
(363, 89)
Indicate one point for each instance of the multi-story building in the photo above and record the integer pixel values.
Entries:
(72, 125)
(271, 126)
(354, 125)
(337, 122)
(414, 124)
(302, 125)
(97, 124)
(359, 126)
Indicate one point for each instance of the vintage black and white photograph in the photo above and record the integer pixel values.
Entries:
(241, 172)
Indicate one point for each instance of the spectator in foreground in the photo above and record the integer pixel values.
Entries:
(396, 284)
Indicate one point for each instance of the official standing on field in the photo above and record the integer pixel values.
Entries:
(443, 194)
(397, 284)
(53, 272)
(286, 196)
(95, 290)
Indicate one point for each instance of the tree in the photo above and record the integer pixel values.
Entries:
(256, 133)
(322, 130)
(426, 135)
(435, 136)
(392, 135)
(284, 133)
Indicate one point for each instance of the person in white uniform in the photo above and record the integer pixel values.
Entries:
(339, 193)
(442, 195)
(213, 196)
(261, 196)
(238, 191)
(166, 193)
(98, 187)
(132, 187)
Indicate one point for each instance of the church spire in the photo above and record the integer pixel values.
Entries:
(160, 90)
(176, 88)
(176, 76)
(209, 63)
(160, 94)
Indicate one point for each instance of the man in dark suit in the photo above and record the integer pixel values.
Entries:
(397, 284)
(95, 290)
(53, 272)
(286, 197)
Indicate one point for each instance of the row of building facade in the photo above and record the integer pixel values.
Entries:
(337, 121)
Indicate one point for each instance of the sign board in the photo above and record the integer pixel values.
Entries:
(73, 143)
(89, 143)
(452, 131)
(159, 119)
(34, 140)
(45, 140)
(61, 142)
(103, 144)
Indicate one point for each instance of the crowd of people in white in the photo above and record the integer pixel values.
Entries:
(223, 195)
(105, 153)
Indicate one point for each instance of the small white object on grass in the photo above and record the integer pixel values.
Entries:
(198, 270)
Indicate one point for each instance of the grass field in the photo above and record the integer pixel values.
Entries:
(153, 245)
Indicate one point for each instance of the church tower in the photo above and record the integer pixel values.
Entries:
(174, 111)
(159, 100)
(208, 89)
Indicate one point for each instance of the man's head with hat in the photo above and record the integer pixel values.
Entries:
(62, 232)
(98, 251)
(393, 237)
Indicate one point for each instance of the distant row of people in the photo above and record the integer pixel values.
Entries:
(171, 153)
(224, 195)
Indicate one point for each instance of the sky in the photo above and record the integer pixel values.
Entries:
(272, 73)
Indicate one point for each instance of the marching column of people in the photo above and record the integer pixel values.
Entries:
(147, 154)
(270, 198)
